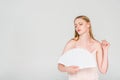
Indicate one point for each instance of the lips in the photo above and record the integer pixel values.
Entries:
(78, 30)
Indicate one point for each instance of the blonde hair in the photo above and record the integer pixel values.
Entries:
(76, 35)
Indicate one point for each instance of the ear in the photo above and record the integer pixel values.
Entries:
(88, 25)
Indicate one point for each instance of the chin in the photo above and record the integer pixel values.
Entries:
(80, 33)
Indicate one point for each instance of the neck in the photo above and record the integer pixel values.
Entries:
(84, 38)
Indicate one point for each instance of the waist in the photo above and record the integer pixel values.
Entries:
(86, 72)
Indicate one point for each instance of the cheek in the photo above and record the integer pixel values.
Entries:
(83, 27)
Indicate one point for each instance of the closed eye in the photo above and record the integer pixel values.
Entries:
(75, 25)
(80, 23)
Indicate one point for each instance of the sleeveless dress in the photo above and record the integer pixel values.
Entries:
(84, 59)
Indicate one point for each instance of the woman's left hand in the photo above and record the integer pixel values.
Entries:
(105, 44)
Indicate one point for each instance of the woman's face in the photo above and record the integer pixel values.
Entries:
(81, 26)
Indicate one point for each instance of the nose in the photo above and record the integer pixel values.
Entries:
(78, 27)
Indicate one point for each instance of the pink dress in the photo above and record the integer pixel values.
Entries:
(87, 73)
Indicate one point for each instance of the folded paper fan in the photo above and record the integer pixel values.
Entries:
(78, 57)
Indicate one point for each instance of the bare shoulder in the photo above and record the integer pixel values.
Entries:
(97, 45)
(70, 44)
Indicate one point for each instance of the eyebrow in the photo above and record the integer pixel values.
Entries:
(78, 22)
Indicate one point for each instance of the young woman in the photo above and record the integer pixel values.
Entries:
(84, 39)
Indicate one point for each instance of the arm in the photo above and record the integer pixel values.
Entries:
(62, 68)
(102, 57)
(69, 69)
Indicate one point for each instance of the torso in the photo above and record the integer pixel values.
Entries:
(91, 47)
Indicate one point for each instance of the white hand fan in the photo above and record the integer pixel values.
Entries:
(78, 57)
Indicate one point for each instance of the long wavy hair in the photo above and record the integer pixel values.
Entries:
(76, 35)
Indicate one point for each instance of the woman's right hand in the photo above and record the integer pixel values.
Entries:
(72, 69)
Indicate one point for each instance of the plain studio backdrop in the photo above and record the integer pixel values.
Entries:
(33, 34)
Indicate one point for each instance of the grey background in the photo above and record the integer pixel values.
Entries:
(33, 34)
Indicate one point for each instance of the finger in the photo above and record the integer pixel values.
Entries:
(108, 44)
(77, 70)
(105, 43)
(75, 66)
